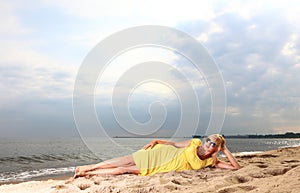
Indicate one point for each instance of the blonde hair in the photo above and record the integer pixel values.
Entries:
(220, 141)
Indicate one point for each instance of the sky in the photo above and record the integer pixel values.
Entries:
(255, 45)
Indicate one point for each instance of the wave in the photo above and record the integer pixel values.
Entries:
(26, 167)
(246, 153)
(45, 158)
(26, 175)
(242, 153)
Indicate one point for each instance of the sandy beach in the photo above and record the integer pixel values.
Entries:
(271, 171)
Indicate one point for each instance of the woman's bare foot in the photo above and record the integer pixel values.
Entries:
(79, 174)
(80, 170)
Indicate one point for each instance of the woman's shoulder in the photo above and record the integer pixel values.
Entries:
(196, 142)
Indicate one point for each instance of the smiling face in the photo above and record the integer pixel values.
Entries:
(214, 143)
(210, 142)
(211, 145)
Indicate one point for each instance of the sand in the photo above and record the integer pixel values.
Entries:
(271, 171)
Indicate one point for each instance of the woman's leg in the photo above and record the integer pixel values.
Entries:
(112, 163)
(114, 171)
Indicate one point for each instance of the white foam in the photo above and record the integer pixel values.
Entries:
(246, 153)
(15, 176)
(243, 153)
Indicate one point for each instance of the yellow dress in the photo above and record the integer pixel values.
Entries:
(165, 158)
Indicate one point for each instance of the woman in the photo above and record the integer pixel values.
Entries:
(163, 156)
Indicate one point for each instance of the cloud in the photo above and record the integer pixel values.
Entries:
(166, 12)
(256, 46)
(10, 23)
(26, 71)
(256, 50)
(285, 129)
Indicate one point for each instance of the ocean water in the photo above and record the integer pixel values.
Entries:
(22, 160)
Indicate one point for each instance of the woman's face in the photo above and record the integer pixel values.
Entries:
(211, 145)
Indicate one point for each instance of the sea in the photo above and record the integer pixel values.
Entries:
(35, 159)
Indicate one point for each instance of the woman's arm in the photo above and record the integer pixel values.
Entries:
(233, 162)
(175, 144)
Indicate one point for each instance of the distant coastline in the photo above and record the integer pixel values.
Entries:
(286, 135)
(250, 136)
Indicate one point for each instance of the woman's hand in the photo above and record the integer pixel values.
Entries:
(175, 144)
(223, 148)
(150, 145)
(233, 162)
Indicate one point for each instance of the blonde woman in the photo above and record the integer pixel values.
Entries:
(160, 156)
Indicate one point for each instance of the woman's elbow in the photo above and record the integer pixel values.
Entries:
(232, 167)
(237, 167)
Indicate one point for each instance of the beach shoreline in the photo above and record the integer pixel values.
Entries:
(41, 178)
(270, 171)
